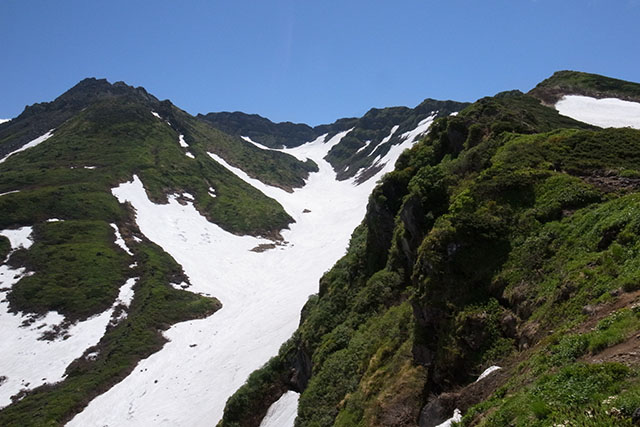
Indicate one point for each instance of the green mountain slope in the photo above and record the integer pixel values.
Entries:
(578, 83)
(508, 236)
(355, 152)
(104, 135)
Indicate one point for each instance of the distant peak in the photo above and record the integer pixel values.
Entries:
(567, 82)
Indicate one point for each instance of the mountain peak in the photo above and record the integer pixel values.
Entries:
(568, 82)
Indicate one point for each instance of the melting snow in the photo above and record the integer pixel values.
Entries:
(120, 241)
(366, 144)
(457, 417)
(608, 112)
(422, 128)
(205, 361)
(188, 154)
(28, 145)
(90, 167)
(19, 238)
(257, 144)
(4, 121)
(388, 137)
(182, 142)
(125, 296)
(9, 192)
(212, 192)
(283, 412)
(54, 220)
(156, 114)
(487, 372)
(27, 360)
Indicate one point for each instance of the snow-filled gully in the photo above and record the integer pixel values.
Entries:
(205, 361)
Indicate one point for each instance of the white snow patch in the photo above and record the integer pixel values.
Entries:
(28, 145)
(283, 412)
(125, 296)
(4, 121)
(422, 128)
(156, 114)
(366, 144)
(92, 356)
(188, 154)
(455, 113)
(54, 220)
(377, 159)
(487, 372)
(189, 380)
(182, 142)
(19, 238)
(409, 138)
(120, 241)
(28, 361)
(257, 144)
(9, 192)
(388, 137)
(457, 417)
(212, 192)
(607, 112)
(90, 167)
(188, 196)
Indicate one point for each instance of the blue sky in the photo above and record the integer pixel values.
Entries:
(309, 61)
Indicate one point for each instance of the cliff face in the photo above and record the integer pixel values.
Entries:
(505, 237)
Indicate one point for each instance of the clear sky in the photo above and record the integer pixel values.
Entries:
(309, 61)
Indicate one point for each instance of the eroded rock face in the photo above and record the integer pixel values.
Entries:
(437, 410)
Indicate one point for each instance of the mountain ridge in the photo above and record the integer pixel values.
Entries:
(505, 235)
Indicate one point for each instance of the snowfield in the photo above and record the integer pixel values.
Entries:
(205, 361)
(607, 112)
(29, 361)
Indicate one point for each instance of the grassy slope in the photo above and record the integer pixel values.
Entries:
(497, 231)
(579, 83)
(376, 125)
(79, 269)
(156, 306)
(122, 138)
(271, 167)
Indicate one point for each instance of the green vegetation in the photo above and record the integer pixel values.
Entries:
(121, 138)
(347, 157)
(100, 141)
(491, 243)
(271, 167)
(578, 83)
(5, 247)
(78, 269)
(156, 305)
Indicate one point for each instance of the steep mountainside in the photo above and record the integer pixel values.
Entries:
(359, 154)
(152, 260)
(505, 241)
(122, 216)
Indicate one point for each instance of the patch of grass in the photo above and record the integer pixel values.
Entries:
(121, 138)
(576, 82)
(155, 306)
(78, 269)
(5, 247)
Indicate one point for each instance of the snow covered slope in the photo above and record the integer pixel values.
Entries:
(262, 292)
(606, 112)
(28, 359)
